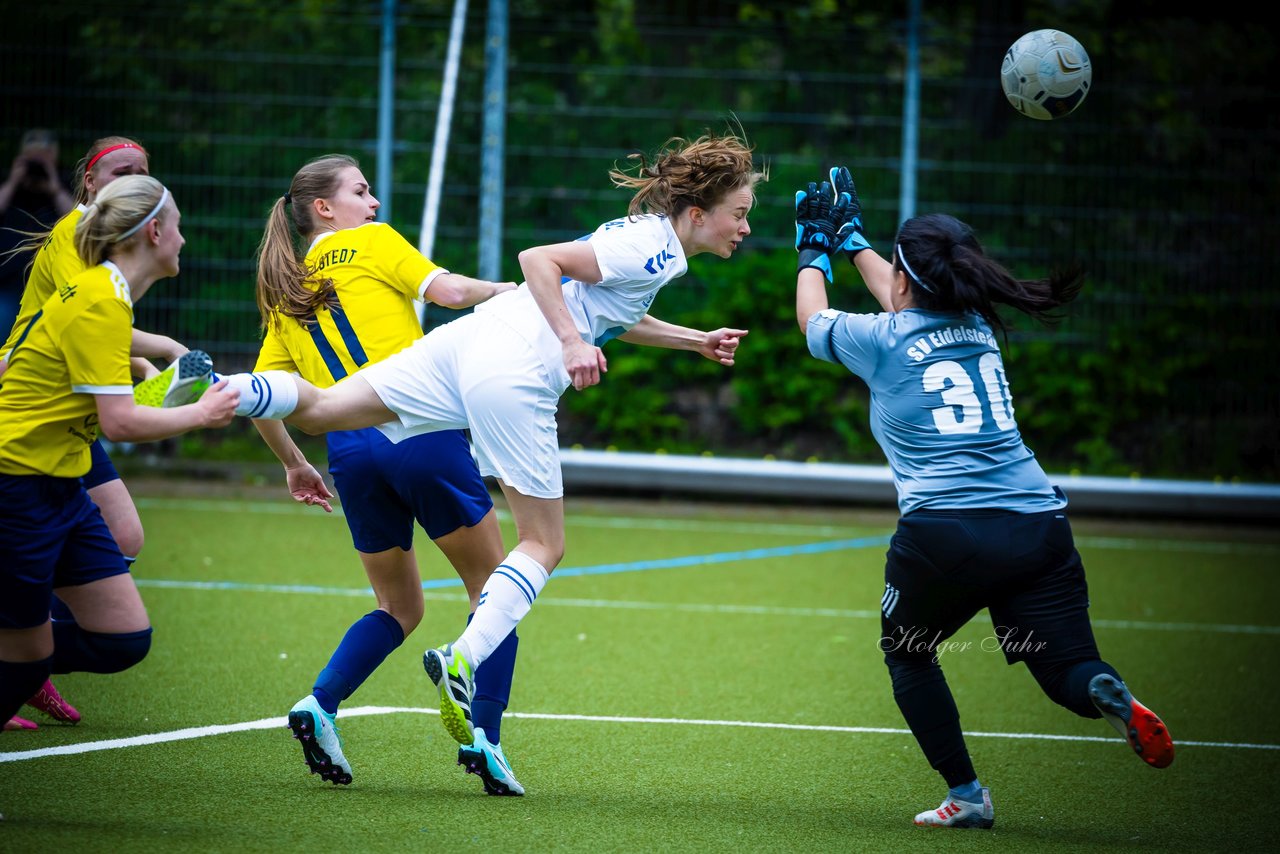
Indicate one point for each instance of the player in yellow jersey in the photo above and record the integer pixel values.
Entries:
(337, 290)
(68, 379)
(56, 262)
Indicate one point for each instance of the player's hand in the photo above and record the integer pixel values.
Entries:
(584, 362)
(218, 404)
(849, 239)
(721, 345)
(815, 228)
(307, 486)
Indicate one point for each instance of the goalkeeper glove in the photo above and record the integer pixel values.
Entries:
(849, 238)
(815, 228)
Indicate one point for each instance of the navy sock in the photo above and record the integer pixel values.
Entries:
(493, 687)
(78, 651)
(366, 644)
(19, 682)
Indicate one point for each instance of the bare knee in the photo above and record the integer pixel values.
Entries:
(129, 539)
(546, 551)
(407, 614)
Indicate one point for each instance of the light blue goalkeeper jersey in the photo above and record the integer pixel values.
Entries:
(940, 408)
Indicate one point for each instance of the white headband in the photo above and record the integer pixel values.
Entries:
(910, 272)
(164, 197)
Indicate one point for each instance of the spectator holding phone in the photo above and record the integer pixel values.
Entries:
(32, 198)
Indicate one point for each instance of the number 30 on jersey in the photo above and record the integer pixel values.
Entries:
(961, 410)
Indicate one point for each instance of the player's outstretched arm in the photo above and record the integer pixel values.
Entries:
(305, 483)
(877, 275)
(150, 345)
(816, 226)
(452, 290)
(818, 220)
(718, 345)
(851, 240)
(123, 420)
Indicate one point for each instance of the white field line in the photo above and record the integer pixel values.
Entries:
(360, 711)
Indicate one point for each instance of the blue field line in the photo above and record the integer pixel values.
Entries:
(285, 507)
(726, 557)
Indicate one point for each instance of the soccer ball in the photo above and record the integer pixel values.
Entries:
(1046, 74)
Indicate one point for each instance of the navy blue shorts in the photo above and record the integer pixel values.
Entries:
(384, 487)
(101, 469)
(943, 567)
(51, 535)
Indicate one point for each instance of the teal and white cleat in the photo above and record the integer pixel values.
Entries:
(486, 760)
(452, 674)
(179, 384)
(961, 814)
(1138, 725)
(317, 731)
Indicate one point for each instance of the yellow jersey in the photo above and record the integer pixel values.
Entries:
(377, 274)
(75, 346)
(55, 264)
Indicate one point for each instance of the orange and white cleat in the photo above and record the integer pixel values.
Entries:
(1138, 725)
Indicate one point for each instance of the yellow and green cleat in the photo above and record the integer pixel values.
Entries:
(451, 674)
(179, 384)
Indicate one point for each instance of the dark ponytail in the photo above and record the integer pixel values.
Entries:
(949, 271)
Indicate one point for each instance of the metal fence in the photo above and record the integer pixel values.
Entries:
(1167, 191)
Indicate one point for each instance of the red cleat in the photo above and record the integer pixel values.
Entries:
(1141, 727)
(49, 701)
(16, 722)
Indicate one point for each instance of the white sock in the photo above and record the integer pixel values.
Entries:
(507, 596)
(266, 394)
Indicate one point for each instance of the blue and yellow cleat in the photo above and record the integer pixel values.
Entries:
(486, 760)
(179, 384)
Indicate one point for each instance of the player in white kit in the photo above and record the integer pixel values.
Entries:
(500, 370)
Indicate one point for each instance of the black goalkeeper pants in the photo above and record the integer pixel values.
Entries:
(942, 568)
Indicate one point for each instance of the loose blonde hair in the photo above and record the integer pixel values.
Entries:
(115, 218)
(286, 286)
(685, 174)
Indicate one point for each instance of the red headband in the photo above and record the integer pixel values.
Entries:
(108, 150)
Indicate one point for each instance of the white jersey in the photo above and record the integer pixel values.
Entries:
(637, 256)
(473, 373)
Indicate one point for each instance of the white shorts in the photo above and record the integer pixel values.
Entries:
(476, 373)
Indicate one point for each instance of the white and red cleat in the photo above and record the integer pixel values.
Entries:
(954, 813)
(1138, 725)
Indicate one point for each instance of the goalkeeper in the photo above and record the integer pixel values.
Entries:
(981, 525)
